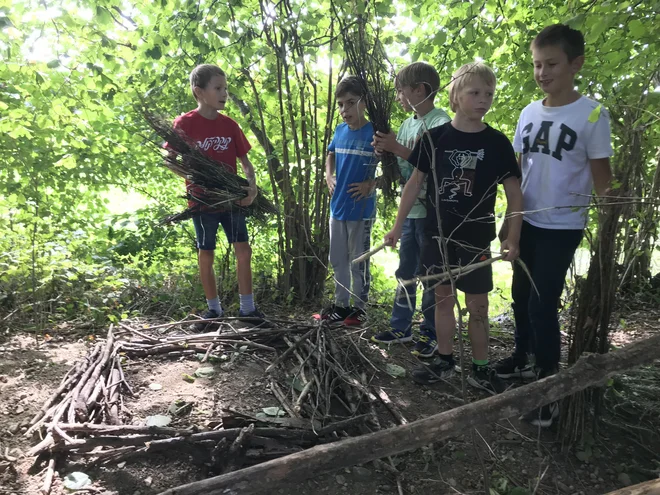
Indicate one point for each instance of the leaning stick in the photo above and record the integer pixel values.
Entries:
(50, 472)
(369, 254)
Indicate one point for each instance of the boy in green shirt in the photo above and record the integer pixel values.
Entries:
(416, 85)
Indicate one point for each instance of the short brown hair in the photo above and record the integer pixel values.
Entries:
(418, 73)
(202, 75)
(464, 75)
(570, 40)
(350, 84)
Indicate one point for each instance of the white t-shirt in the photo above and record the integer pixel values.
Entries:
(556, 145)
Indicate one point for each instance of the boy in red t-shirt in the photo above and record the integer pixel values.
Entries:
(221, 139)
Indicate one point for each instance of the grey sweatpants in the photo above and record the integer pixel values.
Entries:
(349, 240)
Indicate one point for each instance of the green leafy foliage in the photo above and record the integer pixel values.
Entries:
(73, 147)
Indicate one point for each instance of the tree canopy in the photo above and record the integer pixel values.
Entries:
(73, 71)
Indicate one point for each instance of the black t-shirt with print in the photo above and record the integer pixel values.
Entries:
(469, 165)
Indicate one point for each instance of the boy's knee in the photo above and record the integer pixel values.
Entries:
(243, 252)
(206, 255)
(478, 309)
(444, 303)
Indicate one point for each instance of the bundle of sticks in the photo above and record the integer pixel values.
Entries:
(366, 59)
(221, 188)
(318, 377)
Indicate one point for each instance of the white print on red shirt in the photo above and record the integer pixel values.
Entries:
(217, 143)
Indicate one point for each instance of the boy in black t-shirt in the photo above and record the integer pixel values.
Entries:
(462, 162)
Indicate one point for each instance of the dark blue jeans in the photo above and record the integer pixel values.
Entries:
(410, 245)
(548, 254)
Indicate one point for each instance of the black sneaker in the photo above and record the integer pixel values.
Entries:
(256, 317)
(426, 345)
(436, 370)
(355, 318)
(202, 325)
(335, 315)
(514, 367)
(389, 336)
(543, 416)
(252, 314)
(486, 378)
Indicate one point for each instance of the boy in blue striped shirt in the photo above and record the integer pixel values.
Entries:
(350, 175)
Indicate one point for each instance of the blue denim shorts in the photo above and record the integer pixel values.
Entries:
(206, 228)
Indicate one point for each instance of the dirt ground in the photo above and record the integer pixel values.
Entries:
(516, 457)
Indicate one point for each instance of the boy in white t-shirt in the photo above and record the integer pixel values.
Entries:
(563, 142)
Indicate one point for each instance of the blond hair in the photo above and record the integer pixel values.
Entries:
(464, 76)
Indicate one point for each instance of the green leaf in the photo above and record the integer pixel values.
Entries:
(154, 52)
(76, 481)
(595, 114)
(103, 17)
(205, 372)
(273, 411)
(440, 38)
(395, 370)
(53, 64)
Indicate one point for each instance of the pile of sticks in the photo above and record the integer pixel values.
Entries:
(318, 375)
(221, 187)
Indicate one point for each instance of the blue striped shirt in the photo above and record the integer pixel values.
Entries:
(355, 161)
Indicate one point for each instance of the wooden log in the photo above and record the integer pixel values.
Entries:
(113, 406)
(163, 349)
(48, 479)
(236, 453)
(79, 403)
(279, 395)
(138, 333)
(76, 390)
(391, 407)
(119, 430)
(79, 368)
(233, 419)
(588, 371)
(651, 487)
(343, 424)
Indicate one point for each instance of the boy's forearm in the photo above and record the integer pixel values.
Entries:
(248, 170)
(402, 152)
(514, 217)
(408, 197)
(330, 165)
(601, 172)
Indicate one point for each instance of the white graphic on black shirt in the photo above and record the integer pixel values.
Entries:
(464, 164)
(217, 143)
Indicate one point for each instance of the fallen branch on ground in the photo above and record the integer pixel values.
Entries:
(648, 488)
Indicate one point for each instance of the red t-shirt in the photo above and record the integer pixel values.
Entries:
(220, 139)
